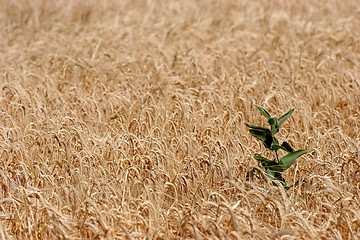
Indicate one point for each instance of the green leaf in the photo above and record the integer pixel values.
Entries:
(256, 127)
(276, 167)
(287, 147)
(277, 147)
(274, 125)
(272, 168)
(264, 112)
(279, 177)
(264, 136)
(262, 159)
(275, 175)
(274, 144)
(275, 141)
(258, 134)
(269, 164)
(285, 116)
(265, 162)
(270, 174)
(286, 161)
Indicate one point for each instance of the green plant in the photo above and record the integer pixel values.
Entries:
(274, 168)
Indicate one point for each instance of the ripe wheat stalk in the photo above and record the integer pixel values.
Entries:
(125, 119)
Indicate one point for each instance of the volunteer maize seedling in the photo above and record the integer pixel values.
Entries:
(274, 168)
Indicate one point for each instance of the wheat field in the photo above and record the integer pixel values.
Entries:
(126, 119)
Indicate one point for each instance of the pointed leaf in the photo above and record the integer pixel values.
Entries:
(265, 162)
(264, 112)
(275, 175)
(262, 159)
(285, 116)
(287, 147)
(256, 127)
(276, 167)
(258, 134)
(270, 174)
(265, 137)
(286, 161)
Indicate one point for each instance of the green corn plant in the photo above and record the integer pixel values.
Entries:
(275, 168)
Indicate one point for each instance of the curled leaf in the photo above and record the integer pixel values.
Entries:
(286, 161)
(274, 125)
(264, 136)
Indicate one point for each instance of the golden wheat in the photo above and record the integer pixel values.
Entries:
(125, 119)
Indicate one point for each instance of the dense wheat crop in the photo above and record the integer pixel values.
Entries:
(125, 119)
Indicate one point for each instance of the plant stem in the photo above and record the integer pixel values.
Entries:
(277, 158)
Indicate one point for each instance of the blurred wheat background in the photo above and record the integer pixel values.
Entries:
(125, 119)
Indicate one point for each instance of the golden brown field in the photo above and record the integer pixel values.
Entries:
(125, 119)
